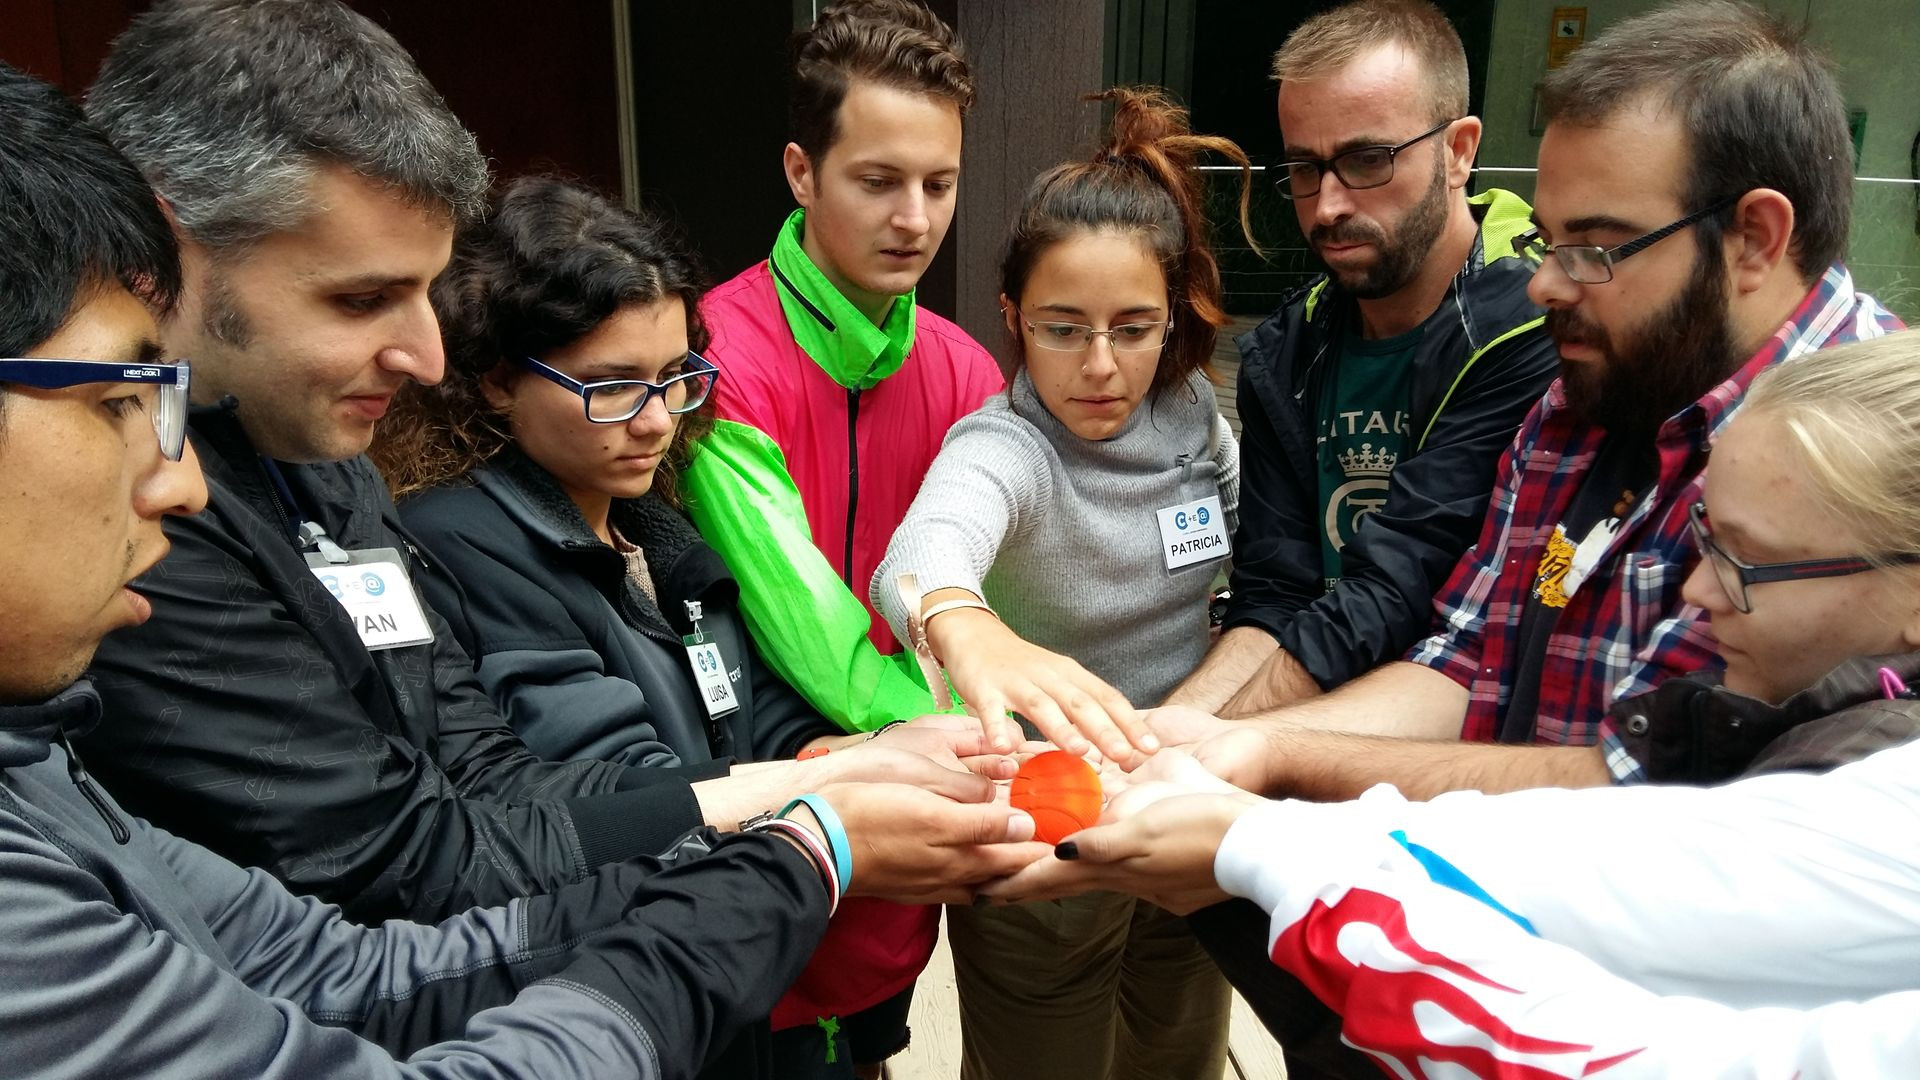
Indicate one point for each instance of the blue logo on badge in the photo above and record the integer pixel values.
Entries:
(1202, 515)
(373, 584)
(1180, 520)
(706, 662)
(332, 583)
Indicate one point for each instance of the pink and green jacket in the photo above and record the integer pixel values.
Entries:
(826, 426)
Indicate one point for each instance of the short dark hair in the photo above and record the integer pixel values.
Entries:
(894, 43)
(1142, 181)
(229, 107)
(1759, 105)
(1332, 39)
(74, 216)
(551, 263)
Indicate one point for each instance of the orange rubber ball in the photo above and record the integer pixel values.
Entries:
(1060, 791)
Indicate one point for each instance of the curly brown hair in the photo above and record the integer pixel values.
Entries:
(550, 262)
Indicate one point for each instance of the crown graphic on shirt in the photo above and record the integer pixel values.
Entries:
(1367, 461)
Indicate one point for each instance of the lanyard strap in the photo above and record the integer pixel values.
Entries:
(309, 535)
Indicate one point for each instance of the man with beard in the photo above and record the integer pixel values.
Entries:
(1731, 132)
(1734, 133)
(1375, 403)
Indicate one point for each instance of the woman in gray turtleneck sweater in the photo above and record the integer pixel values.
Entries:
(1062, 549)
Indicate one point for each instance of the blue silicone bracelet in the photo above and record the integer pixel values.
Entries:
(836, 835)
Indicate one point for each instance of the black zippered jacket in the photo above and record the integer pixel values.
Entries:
(247, 715)
(579, 660)
(1481, 363)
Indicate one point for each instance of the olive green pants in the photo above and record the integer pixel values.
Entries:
(1097, 987)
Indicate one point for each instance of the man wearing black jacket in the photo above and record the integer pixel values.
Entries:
(314, 180)
(1375, 403)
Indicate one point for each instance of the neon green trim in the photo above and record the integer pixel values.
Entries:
(1314, 294)
(809, 627)
(1507, 216)
(854, 352)
(1468, 366)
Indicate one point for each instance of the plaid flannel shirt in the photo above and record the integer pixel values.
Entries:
(1625, 628)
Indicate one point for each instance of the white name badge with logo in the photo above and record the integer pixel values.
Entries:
(1193, 533)
(378, 596)
(710, 671)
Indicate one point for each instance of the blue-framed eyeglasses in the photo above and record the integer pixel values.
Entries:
(616, 401)
(170, 380)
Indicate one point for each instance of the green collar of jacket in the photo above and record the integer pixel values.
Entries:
(827, 327)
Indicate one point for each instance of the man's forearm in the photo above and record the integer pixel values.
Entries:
(1330, 766)
(1233, 660)
(1402, 700)
(726, 801)
(1280, 682)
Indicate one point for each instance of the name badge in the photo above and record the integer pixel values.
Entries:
(1193, 533)
(710, 671)
(378, 597)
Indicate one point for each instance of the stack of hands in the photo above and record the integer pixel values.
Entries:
(925, 807)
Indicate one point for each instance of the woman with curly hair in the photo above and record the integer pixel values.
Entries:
(540, 473)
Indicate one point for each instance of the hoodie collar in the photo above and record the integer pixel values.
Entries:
(827, 327)
(27, 732)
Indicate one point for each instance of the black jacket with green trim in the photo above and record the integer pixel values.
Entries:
(1482, 361)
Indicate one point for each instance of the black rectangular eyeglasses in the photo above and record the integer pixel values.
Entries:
(171, 380)
(1360, 168)
(1591, 264)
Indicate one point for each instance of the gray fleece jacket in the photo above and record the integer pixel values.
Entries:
(128, 952)
(1061, 535)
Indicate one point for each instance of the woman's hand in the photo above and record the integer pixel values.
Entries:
(995, 671)
(956, 742)
(1157, 841)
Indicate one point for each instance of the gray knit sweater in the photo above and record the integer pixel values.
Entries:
(1060, 533)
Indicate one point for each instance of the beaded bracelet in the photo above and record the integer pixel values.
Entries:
(836, 834)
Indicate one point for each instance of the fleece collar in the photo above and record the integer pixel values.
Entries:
(27, 732)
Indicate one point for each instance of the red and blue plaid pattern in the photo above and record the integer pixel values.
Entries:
(1626, 628)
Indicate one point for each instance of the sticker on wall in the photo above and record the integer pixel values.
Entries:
(1568, 33)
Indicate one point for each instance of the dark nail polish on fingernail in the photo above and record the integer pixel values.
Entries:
(1066, 849)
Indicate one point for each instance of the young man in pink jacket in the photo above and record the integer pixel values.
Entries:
(836, 391)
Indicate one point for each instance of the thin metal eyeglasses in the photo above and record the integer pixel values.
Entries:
(1736, 577)
(1360, 168)
(616, 401)
(1591, 264)
(170, 381)
(1077, 337)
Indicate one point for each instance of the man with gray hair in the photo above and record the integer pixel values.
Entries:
(293, 704)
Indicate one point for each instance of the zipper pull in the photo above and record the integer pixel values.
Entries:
(1185, 462)
(414, 554)
(78, 774)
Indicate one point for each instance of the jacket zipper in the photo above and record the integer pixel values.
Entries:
(78, 774)
(853, 478)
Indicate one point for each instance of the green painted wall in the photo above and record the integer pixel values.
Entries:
(1872, 44)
